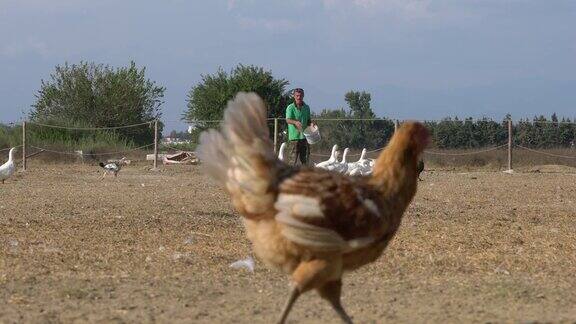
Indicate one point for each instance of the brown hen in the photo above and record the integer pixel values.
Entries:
(312, 224)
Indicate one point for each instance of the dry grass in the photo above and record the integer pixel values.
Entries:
(155, 247)
(498, 159)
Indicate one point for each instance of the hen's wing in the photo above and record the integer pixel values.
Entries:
(325, 211)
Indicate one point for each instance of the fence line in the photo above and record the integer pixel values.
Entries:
(467, 153)
(545, 153)
(355, 154)
(171, 147)
(197, 121)
(283, 118)
(426, 151)
(190, 122)
(321, 155)
(194, 121)
(277, 131)
(9, 148)
(90, 128)
(91, 154)
(391, 119)
(543, 122)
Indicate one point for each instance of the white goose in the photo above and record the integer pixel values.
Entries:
(366, 161)
(361, 167)
(341, 166)
(282, 151)
(363, 160)
(360, 161)
(330, 161)
(7, 169)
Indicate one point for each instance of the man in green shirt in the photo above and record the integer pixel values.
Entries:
(298, 118)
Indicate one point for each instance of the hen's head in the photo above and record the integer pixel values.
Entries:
(397, 165)
(411, 137)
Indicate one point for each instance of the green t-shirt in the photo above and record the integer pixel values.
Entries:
(302, 115)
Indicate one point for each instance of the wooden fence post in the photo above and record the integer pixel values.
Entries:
(24, 146)
(509, 144)
(275, 135)
(155, 144)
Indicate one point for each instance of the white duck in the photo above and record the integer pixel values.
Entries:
(341, 166)
(330, 161)
(282, 152)
(7, 169)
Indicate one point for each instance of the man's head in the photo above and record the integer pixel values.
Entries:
(298, 96)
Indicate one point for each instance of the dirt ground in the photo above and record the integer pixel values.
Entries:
(156, 247)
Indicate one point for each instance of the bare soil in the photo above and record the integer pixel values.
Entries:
(156, 247)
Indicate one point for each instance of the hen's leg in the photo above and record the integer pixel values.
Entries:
(308, 275)
(332, 291)
(294, 294)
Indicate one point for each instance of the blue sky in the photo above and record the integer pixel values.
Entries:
(420, 59)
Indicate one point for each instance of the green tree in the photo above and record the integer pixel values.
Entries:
(97, 95)
(208, 99)
(538, 133)
(332, 131)
(359, 103)
(370, 134)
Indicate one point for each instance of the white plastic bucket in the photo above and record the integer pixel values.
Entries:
(312, 134)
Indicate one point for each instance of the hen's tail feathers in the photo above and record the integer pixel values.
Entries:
(101, 164)
(241, 155)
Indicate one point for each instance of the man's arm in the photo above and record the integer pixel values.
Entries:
(290, 119)
(296, 123)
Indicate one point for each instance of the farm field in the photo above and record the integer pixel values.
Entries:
(156, 247)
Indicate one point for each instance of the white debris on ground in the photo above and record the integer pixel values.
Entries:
(189, 240)
(179, 255)
(180, 158)
(13, 245)
(247, 264)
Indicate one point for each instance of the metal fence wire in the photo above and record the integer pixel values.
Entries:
(480, 142)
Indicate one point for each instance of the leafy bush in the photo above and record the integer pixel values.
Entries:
(99, 96)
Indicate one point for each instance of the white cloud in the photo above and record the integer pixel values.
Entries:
(329, 3)
(274, 25)
(365, 3)
(405, 9)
